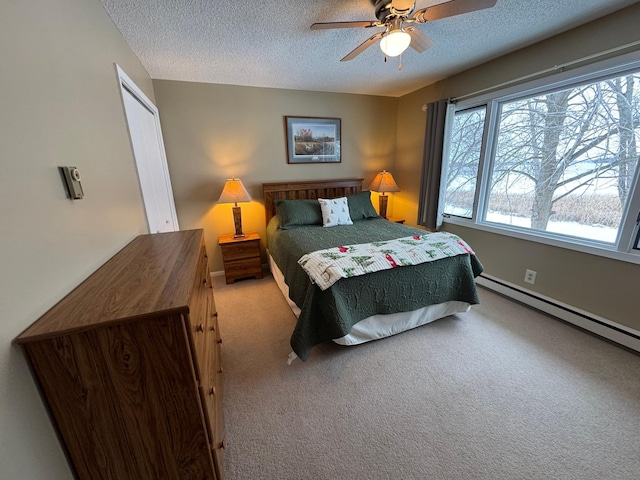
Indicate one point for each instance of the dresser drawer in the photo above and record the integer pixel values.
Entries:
(199, 316)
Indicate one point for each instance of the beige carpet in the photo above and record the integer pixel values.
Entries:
(501, 392)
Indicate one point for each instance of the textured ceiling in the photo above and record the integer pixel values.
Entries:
(268, 43)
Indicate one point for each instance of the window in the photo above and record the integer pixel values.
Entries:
(557, 162)
(463, 160)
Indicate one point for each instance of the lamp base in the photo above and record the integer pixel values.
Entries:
(237, 222)
(382, 205)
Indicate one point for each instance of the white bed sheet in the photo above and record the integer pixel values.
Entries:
(379, 326)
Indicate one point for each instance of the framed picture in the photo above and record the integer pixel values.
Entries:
(312, 139)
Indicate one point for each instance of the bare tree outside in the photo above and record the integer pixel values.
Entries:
(563, 158)
(464, 156)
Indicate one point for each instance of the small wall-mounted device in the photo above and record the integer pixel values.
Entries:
(71, 179)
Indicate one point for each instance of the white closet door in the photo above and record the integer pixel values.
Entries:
(151, 162)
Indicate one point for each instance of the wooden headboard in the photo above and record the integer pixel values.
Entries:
(307, 189)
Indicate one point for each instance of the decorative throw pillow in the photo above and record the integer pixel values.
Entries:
(360, 206)
(296, 213)
(335, 211)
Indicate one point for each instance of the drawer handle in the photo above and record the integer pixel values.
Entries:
(221, 370)
(221, 445)
(204, 281)
(215, 314)
(212, 391)
(220, 340)
(200, 328)
(213, 328)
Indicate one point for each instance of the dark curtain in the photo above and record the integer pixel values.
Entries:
(432, 165)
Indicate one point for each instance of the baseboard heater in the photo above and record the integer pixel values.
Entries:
(600, 326)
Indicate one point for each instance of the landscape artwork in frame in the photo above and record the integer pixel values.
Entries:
(312, 139)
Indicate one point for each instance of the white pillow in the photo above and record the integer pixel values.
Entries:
(335, 211)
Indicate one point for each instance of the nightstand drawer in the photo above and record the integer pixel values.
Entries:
(238, 251)
(251, 267)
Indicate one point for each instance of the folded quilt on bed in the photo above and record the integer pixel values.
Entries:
(326, 267)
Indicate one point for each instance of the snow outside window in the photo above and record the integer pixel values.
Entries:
(559, 163)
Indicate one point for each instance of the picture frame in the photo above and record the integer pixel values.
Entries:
(313, 139)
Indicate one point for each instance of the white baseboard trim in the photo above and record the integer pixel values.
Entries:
(602, 327)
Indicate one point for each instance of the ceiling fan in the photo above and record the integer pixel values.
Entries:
(397, 18)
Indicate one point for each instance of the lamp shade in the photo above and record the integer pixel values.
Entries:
(384, 182)
(395, 42)
(234, 192)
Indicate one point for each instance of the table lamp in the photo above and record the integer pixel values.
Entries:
(383, 182)
(234, 192)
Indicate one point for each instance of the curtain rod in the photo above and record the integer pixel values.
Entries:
(555, 68)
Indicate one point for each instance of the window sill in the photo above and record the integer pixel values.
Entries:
(592, 249)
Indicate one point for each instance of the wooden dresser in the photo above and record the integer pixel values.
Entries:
(128, 365)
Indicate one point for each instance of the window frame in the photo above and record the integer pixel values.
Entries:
(449, 122)
(623, 249)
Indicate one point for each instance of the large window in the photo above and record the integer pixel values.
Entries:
(558, 162)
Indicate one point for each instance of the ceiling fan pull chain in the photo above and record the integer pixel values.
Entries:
(400, 62)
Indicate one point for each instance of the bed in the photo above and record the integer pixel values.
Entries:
(364, 307)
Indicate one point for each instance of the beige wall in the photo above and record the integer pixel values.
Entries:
(595, 284)
(213, 132)
(59, 105)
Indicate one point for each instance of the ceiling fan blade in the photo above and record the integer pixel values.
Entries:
(327, 25)
(362, 47)
(451, 8)
(419, 41)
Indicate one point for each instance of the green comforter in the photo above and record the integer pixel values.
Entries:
(330, 314)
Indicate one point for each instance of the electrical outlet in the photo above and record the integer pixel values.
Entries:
(530, 276)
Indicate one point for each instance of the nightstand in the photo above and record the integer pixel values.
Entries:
(241, 256)
(395, 219)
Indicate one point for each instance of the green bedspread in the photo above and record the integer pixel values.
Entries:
(331, 313)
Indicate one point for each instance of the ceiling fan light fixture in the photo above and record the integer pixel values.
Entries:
(395, 42)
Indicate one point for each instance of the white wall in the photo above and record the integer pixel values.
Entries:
(59, 105)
